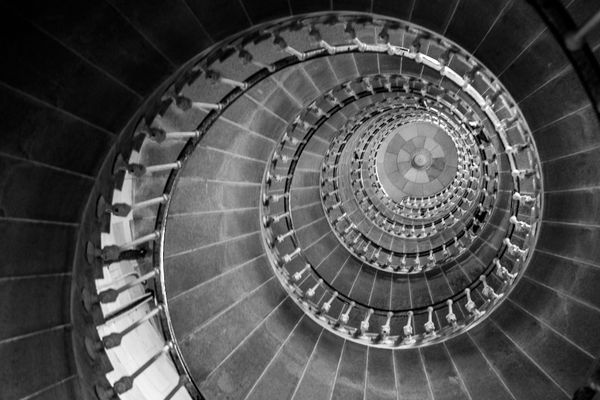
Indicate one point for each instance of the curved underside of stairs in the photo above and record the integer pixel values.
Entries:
(242, 336)
(241, 332)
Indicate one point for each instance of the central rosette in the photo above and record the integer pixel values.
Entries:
(418, 159)
(421, 159)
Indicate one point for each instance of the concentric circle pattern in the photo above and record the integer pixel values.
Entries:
(416, 160)
(407, 184)
(400, 198)
(382, 239)
(318, 204)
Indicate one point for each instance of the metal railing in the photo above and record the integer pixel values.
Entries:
(135, 298)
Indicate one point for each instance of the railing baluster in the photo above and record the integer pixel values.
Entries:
(387, 327)
(159, 135)
(289, 257)
(139, 170)
(519, 225)
(470, 305)
(407, 329)
(298, 275)
(163, 167)
(451, 317)
(429, 325)
(271, 219)
(523, 198)
(503, 272)
(131, 306)
(514, 249)
(215, 77)
(114, 339)
(274, 198)
(125, 383)
(123, 209)
(364, 324)
(345, 317)
(110, 295)
(487, 291)
(282, 237)
(327, 305)
(281, 43)
(207, 106)
(311, 291)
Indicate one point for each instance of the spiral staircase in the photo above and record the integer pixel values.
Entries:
(300, 200)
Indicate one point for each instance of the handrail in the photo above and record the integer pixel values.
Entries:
(300, 143)
(215, 110)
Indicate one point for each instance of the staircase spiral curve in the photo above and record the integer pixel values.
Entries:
(388, 200)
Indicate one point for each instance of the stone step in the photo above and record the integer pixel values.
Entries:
(239, 372)
(209, 349)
